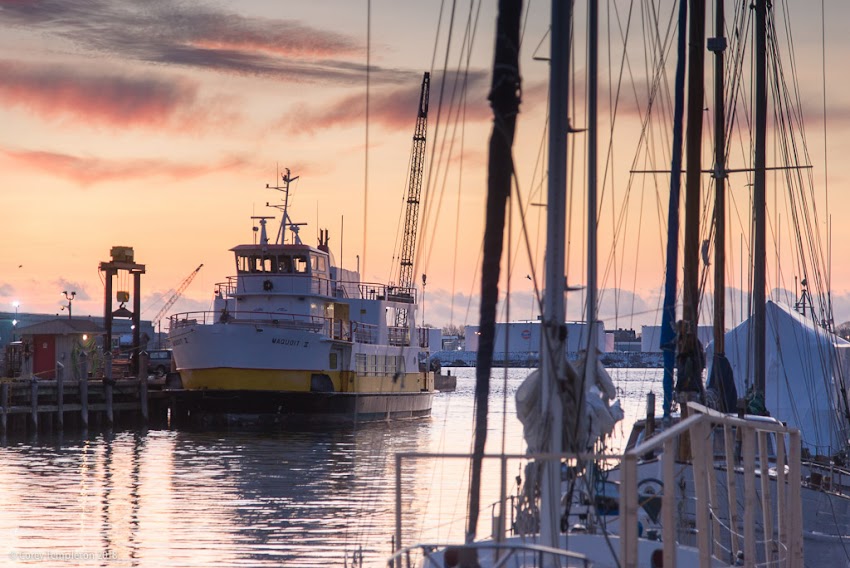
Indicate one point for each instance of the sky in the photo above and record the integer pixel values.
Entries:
(157, 125)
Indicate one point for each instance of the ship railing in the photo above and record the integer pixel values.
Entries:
(372, 291)
(727, 513)
(226, 289)
(289, 321)
(340, 329)
(333, 328)
(273, 283)
(827, 476)
(319, 286)
(399, 336)
(508, 554)
(364, 333)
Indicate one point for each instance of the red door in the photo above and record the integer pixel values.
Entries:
(44, 358)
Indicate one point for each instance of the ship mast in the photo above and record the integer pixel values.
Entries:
(285, 221)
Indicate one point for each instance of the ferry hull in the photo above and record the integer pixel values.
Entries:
(287, 380)
(292, 408)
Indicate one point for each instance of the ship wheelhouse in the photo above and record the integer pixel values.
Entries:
(282, 269)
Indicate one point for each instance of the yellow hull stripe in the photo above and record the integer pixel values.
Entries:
(224, 378)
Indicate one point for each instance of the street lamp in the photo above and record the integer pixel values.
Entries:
(70, 297)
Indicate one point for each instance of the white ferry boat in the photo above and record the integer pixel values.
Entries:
(295, 336)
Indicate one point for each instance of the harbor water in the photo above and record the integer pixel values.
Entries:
(307, 497)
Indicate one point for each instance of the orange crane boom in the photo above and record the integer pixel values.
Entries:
(176, 296)
(411, 220)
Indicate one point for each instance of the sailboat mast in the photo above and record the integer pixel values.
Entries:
(554, 333)
(504, 99)
(759, 197)
(693, 150)
(668, 314)
(718, 45)
(592, 142)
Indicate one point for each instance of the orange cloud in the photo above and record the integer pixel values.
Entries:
(288, 39)
(88, 171)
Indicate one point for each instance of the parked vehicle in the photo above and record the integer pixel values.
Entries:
(159, 362)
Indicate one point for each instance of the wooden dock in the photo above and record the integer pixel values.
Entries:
(33, 404)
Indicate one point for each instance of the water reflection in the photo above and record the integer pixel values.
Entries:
(307, 498)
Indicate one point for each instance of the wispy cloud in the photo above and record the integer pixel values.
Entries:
(392, 108)
(56, 92)
(200, 36)
(89, 170)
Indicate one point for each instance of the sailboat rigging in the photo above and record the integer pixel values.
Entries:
(747, 344)
(559, 449)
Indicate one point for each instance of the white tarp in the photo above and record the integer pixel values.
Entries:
(803, 375)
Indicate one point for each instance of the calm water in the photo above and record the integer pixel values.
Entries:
(305, 498)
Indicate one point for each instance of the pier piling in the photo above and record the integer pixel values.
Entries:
(143, 385)
(34, 403)
(4, 400)
(83, 382)
(108, 383)
(60, 396)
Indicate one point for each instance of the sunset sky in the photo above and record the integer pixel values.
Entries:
(157, 125)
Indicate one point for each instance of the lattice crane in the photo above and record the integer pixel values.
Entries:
(411, 220)
(175, 296)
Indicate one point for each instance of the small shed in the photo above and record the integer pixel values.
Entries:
(61, 340)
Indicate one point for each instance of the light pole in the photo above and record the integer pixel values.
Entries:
(15, 321)
(70, 297)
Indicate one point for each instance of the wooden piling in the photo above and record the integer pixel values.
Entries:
(34, 402)
(143, 385)
(4, 400)
(60, 397)
(108, 383)
(84, 390)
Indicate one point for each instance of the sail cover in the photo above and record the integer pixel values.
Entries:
(600, 414)
(806, 369)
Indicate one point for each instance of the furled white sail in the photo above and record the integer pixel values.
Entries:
(600, 414)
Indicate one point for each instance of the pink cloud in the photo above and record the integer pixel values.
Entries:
(287, 39)
(54, 92)
(393, 109)
(89, 171)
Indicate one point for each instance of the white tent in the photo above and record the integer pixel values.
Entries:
(806, 369)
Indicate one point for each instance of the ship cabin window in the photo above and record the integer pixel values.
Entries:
(284, 263)
(319, 264)
(299, 263)
(287, 264)
(255, 264)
